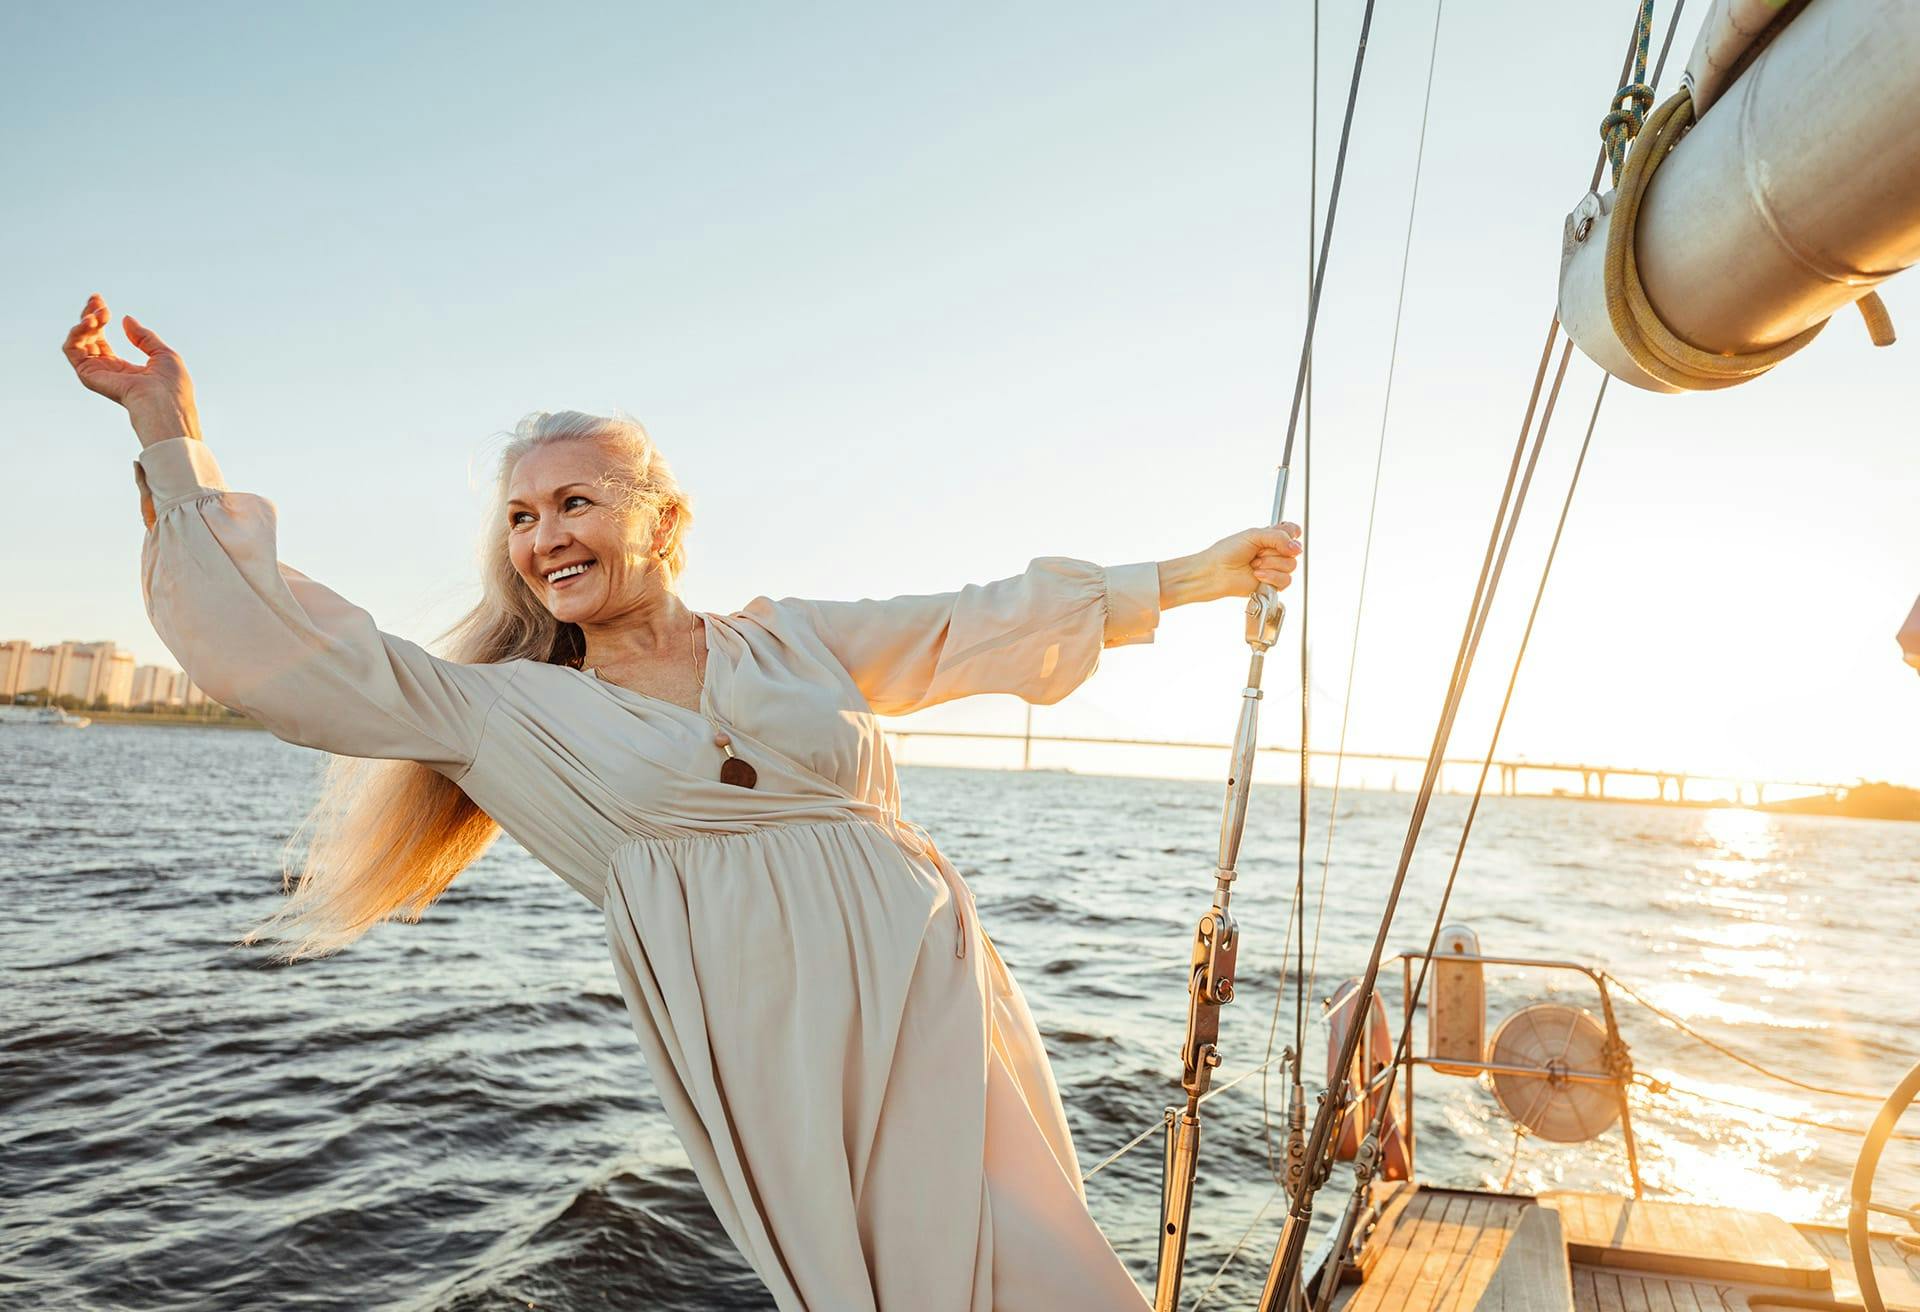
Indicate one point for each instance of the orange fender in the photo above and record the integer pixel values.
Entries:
(1369, 1059)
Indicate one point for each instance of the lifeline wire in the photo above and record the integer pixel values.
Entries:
(1854, 1130)
(1725, 1051)
(1141, 1137)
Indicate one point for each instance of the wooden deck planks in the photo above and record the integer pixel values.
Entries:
(1898, 1276)
(1705, 1243)
(1596, 1289)
(1442, 1250)
(1387, 1249)
(1394, 1245)
(1421, 1291)
(1439, 1253)
(1532, 1275)
(1483, 1256)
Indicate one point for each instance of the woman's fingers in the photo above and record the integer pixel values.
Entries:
(92, 356)
(1273, 554)
(85, 336)
(144, 337)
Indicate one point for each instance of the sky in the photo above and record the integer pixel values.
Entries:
(910, 295)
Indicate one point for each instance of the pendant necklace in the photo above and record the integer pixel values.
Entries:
(733, 770)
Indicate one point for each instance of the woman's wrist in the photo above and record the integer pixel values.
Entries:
(1184, 580)
(163, 423)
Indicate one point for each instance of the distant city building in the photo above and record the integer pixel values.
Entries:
(93, 673)
(152, 686)
(15, 659)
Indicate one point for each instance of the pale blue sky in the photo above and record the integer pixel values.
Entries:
(912, 294)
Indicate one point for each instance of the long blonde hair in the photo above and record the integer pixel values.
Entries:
(388, 837)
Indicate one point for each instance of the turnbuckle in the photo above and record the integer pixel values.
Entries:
(1216, 941)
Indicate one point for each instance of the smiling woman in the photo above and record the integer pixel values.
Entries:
(850, 1066)
(596, 529)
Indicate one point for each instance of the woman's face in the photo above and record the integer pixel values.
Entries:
(581, 555)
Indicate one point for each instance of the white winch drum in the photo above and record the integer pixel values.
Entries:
(1553, 1038)
(1456, 1004)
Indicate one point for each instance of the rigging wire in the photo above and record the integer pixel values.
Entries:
(1404, 1046)
(1306, 517)
(1326, 247)
(1373, 501)
(1299, 913)
(1286, 1054)
(1285, 1267)
(1296, 904)
(1636, 56)
(1635, 51)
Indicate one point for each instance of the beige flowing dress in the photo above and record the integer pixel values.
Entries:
(852, 1069)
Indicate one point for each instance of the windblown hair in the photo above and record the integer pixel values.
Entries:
(388, 837)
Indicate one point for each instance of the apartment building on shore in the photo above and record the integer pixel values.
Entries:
(93, 673)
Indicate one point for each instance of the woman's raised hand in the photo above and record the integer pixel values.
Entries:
(1239, 564)
(157, 395)
(1234, 566)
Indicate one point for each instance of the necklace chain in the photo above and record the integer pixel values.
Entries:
(693, 663)
(693, 659)
(733, 770)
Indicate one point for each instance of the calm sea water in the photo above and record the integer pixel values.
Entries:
(455, 1115)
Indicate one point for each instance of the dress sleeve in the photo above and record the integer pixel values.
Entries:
(264, 639)
(1037, 635)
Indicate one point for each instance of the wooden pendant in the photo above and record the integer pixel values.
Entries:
(733, 770)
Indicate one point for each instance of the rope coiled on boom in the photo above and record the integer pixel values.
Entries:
(1653, 346)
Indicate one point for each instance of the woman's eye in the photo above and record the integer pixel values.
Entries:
(568, 503)
(518, 519)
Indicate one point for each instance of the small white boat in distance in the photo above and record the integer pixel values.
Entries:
(50, 716)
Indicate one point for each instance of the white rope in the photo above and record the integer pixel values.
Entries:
(1124, 1149)
(1142, 1137)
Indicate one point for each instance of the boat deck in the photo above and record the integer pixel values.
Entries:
(1449, 1250)
(1439, 1249)
(1681, 1239)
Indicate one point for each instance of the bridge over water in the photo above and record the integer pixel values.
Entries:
(1508, 776)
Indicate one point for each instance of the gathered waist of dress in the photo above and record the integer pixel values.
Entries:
(905, 834)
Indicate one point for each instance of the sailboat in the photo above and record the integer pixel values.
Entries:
(1775, 188)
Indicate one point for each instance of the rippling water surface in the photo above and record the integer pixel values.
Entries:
(455, 1115)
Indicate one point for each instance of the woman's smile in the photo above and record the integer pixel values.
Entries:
(567, 575)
